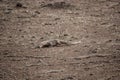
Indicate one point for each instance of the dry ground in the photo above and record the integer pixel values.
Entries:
(94, 22)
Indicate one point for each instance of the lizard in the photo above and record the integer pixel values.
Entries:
(57, 42)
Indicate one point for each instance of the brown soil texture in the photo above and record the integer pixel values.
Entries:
(24, 24)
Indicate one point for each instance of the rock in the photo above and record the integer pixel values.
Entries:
(65, 34)
(37, 47)
(19, 5)
(37, 12)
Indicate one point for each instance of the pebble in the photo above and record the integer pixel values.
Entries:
(19, 5)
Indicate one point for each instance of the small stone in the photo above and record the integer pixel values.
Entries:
(57, 18)
(117, 40)
(65, 34)
(51, 32)
(26, 79)
(10, 36)
(70, 78)
(91, 74)
(37, 47)
(33, 36)
(20, 30)
(22, 36)
(86, 69)
(37, 12)
(109, 40)
(41, 38)
(19, 5)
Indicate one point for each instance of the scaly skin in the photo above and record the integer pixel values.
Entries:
(57, 42)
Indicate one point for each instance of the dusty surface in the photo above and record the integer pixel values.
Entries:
(95, 22)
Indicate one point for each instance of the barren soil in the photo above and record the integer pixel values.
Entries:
(24, 24)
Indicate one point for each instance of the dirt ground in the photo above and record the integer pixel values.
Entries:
(24, 24)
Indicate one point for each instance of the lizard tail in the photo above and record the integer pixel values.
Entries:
(77, 42)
